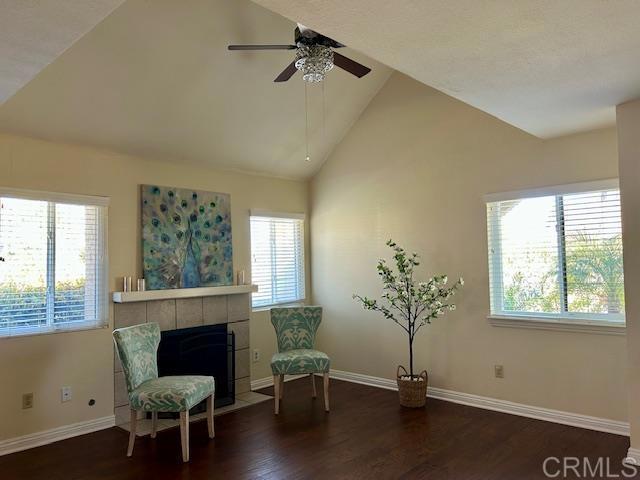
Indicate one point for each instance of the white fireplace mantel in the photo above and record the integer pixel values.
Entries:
(126, 297)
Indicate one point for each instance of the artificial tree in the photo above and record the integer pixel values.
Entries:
(408, 303)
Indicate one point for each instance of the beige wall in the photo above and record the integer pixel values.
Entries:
(628, 124)
(415, 168)
(84, 360)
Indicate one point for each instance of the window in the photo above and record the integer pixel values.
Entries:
(557, 253)
(53, 262)
(277, 258)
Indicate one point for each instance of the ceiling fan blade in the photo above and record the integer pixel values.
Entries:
(262, 47)
(287, 73)
(349, 65)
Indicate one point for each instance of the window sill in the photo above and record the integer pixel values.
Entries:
(562, 325)
(32, 332)
(265, 308)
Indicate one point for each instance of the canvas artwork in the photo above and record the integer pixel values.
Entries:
(186, 238)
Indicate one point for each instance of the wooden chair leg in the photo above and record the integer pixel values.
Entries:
(326, 391)
(210, 405)
(133, 420)
(313, 385)
(276, 396)
(154, 424)
(184, 434)
(281, 386)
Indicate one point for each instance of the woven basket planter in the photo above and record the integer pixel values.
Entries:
(413, 392)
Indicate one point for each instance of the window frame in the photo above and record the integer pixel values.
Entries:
(102, 302)
(565, 320)
(302, 274)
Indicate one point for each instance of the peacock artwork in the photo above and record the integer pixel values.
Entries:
(186, 238)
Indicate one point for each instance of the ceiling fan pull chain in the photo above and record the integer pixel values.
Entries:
(306, 121)
(324, 123)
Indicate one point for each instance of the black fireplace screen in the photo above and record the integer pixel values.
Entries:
(207, 350)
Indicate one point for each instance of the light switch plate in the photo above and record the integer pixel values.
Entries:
(27, 400)
(66, 394)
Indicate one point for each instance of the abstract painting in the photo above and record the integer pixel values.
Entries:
(186, 238)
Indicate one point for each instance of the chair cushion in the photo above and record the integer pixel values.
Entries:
(293, 362)
(171, 394)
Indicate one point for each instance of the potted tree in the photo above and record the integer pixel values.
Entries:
(411, 305)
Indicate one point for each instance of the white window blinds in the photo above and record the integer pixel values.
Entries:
(557, 256)
(52, 262)
(277, 259)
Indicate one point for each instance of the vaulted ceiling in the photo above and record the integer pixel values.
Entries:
(34, 33)
(155, 79)
(548, 67)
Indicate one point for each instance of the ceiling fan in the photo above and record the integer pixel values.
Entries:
(314, 56)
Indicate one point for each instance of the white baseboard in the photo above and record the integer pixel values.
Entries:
(379, 382)
(633, 456)
(504, 406)
(268, 381)
(556, 416)
(55, 434)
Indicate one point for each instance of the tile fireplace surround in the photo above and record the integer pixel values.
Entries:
(172, 314)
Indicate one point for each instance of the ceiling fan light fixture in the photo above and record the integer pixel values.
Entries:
(314, 61)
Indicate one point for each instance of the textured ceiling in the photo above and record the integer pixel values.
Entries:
(155, 79)
(33, 33)
(548, 67)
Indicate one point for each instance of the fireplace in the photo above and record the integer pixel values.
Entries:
(206, 350)
(227, 312)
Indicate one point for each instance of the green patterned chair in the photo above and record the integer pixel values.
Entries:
(137, 348)
(296, 331)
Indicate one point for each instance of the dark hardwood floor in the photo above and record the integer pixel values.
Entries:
(366, 435)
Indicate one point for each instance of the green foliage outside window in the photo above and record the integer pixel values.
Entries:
(594, 280)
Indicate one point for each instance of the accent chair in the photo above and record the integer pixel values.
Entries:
(137, 348)
(296, 329)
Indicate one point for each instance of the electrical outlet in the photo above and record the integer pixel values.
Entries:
(256, 355)
(65, 393)
(499, 371)
(27, 400)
